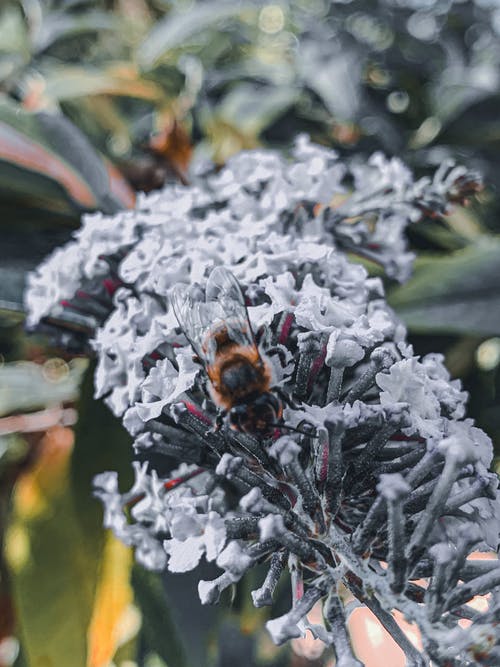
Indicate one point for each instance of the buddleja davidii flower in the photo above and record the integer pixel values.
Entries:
(332, 508)
(64, 272)
(300, 310)
(132, 332)
(282, 530)
(260, 189)
(368, 429)
(426, 388)
(142, 329)
(178, 525)
(316, 506)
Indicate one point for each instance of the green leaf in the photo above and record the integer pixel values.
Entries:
(67, 83)
(55, 539)
(13, 31)
(12, 283)
(475, 123)
(64, 25)
(454, 294)
(28, 386)
(179, 27)
(251, 109)
(45, 160)
(160, 634)
(102, 443)
(67, 140)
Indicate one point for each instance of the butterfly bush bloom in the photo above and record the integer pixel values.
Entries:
(383, 487)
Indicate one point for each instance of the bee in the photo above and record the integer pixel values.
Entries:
(218, 328)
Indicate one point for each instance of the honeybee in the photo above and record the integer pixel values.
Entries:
(218, 328)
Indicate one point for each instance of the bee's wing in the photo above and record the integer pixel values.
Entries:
(222, 306)
(224, 291)
(188, 306)
(222, 285)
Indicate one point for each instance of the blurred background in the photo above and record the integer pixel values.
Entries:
(103, 98)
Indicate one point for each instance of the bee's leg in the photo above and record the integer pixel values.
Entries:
(285, 397)
(259, 334)
(219, 420)
(270, 351)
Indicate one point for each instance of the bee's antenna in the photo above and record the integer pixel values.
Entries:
(295, 430)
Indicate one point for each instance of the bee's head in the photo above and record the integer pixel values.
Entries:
(258, 417)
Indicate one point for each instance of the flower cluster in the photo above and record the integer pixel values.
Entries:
(374, 482)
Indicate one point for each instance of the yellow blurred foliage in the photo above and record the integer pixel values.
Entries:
(114, 619)
(47, 478)
(17, 546)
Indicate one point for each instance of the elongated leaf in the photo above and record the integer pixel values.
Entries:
(454, 294)
(64, 25)
(56, 541)
(27, 386)
(159, 631)
(112, 607)
(102, 443)
(180, 26)
(37, 149)
(13, 31)
(66, 83)
(67, 140)
(53, 575)
(21, 151)
(251, 109)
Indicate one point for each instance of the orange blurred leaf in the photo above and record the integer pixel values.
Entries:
(173, 144)
(24, 152)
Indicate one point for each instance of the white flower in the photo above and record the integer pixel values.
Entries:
(168, 382)
(364, 418)
(233, 559)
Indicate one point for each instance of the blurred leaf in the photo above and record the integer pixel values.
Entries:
(27, 386)
(68, 82)
(113, 618)
(102, 443)
(13, 449)
(45, 536)
(160, 632)
(55, 541)
(243, 114)
(37, 148)
(454, 294)
(67, 140)
(178, 27)
(476, 123)
(327, 75)
(13, 31)
(252, 108)
(26, 162)
(11, 295)
(154, 660)
(58, 25)
(118, 186)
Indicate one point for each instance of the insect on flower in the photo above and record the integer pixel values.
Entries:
(217, 325)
